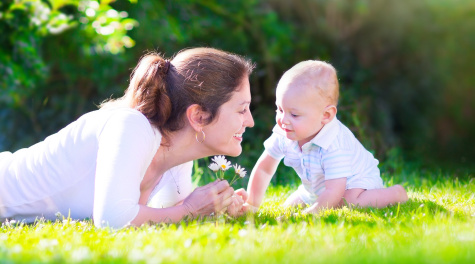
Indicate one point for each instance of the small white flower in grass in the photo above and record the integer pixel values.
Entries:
(222, 162)
(81, 254)
(239, 170)
(214, 167)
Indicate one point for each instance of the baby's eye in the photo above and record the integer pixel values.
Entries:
(294, 115)
(243, 111)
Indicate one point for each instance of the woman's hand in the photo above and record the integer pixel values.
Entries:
(209, 199)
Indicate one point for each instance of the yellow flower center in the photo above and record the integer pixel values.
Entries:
(223, 166)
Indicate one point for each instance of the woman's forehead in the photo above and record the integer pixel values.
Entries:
(243, 92)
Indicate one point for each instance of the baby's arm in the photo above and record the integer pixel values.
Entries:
(331, 197)
(260, 177)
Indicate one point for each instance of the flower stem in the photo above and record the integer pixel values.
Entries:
(233, 180)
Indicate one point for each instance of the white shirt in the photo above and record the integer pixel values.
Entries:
(91, 168)
(333, 153)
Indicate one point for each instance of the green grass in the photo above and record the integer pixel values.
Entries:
(437, 225)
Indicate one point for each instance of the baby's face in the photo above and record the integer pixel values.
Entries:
(300, 110)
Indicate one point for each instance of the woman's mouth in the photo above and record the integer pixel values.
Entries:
(238, 136)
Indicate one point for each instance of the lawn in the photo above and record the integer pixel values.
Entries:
(437, 225)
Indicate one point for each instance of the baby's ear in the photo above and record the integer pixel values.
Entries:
(196, 116)
(328, 114)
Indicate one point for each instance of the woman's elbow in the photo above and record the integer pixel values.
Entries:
(115, 218)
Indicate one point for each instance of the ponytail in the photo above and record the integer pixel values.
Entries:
(147, 91)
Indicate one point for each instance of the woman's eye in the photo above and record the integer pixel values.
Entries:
(243, 111)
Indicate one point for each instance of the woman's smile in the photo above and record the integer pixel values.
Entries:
(238, 136)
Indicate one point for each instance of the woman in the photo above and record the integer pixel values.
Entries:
(117, 163)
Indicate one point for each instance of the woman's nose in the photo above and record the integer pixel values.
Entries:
(249, 120)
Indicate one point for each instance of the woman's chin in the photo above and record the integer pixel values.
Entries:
(234, 152)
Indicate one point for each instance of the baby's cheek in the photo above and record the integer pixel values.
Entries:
(278, 122)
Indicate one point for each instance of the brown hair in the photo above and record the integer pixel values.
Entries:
(163, 91)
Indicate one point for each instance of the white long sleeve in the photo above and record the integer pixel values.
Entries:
(126, 148)
(91, 168)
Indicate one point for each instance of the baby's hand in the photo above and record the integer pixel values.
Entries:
(241, 192)
(236, 206)
(239, 207)
(249, 208)
(246, 206)
(312, 209)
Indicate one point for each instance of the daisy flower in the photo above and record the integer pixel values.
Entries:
(239, 170)
(214, 167)
(222, 162)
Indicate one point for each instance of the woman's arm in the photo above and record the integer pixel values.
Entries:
(211, 198)
(157, 215)
(125, 150)
(124, 153)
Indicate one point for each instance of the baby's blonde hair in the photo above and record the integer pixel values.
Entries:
(319, 74)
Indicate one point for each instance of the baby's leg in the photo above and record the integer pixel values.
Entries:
(376, 197)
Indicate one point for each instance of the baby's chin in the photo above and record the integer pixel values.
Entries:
(290, 136)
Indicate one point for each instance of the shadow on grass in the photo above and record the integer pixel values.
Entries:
(413, 209)
(432, 209)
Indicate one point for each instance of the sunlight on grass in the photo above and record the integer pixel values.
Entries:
(437, 225)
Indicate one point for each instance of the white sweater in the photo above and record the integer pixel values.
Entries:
(91, 168)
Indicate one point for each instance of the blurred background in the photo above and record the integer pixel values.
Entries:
(406, 68)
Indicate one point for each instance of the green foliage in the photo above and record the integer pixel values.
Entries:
(41, 40)
(435, 225)
(405, 74)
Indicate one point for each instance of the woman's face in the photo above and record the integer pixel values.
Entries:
(224, 134)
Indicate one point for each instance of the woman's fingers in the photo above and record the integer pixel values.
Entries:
(224, 199)
(221, 185)
(217, 186)
(214, 197)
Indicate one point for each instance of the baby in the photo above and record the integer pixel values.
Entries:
(334, 167)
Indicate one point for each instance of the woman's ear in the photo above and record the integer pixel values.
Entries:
(328, 114)
(196, 117)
